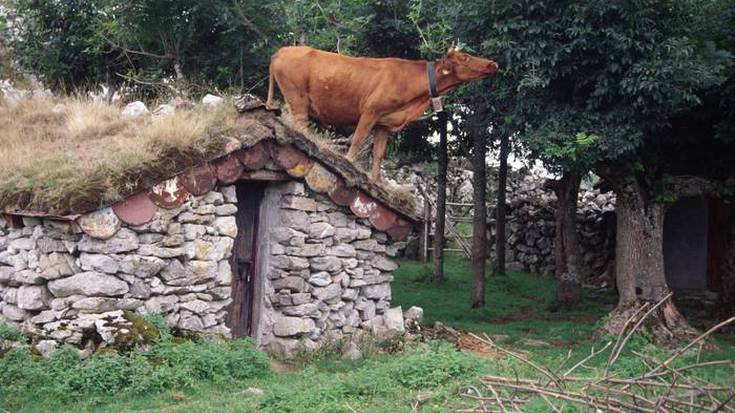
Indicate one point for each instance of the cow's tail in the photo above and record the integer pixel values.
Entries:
(269, 104)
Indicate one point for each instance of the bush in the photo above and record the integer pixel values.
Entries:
(429, 369)
(167, 365)
(418, 369)
(10, 333)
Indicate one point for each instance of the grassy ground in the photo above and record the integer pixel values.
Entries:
(516, 304)
(516, 308)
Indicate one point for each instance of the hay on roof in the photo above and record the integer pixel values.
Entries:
(88, 157)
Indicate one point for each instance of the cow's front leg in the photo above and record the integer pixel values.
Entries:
(380, 144)
(364, 126)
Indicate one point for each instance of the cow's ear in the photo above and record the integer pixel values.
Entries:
(445, 68)
(452, 47)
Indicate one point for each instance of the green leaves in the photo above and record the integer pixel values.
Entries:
(585, 139)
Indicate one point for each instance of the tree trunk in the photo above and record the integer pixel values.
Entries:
(500, 209)
(179, 71)
(441, 201)
(479, 222)
(639, 266)
(566, 247)
(726, 307)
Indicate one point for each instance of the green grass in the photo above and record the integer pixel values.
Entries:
(516, 304)
(195, 377)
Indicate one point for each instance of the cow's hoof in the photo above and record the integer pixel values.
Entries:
(275, 109)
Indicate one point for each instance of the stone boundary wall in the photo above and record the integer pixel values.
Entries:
(530, 222)
(328, 274)
(531, 230)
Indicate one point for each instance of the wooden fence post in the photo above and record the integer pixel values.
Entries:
(425, 233)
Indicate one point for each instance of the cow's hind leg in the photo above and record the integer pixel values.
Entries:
(380, 144)
(297, 100)
(364, 126)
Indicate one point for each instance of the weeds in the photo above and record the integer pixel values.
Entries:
(167, 365)
(10, 333)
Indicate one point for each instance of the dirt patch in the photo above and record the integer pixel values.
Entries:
(468, 342)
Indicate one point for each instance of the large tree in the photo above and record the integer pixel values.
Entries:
(595, 84)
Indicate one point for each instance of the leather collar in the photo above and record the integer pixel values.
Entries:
(431, 72)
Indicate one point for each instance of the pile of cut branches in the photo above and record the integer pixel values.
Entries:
(664, 386)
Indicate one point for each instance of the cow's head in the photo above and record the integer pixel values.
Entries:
(464, 67)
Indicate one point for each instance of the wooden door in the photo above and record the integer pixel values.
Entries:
(244, 258)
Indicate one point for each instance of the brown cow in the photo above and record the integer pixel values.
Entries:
(372, 94)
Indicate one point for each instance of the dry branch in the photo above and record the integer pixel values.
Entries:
(662, 389)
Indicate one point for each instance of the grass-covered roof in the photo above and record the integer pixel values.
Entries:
(88, 156)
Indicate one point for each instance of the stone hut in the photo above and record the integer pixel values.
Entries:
(276, 237)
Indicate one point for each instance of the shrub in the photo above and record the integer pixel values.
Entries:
(9, 332)
(418, 369)
(65, 377)
(428, 369)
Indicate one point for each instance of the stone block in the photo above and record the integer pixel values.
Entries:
(345, 235)
(124, 240)
(88, 283)
(302, 310)
(299, 203)
(292, 283)
(143, 267)
(393, 319)
(350, 294)
(301, 298)
(161, 304)
(320, 279)
(295, 219)
(226, 209)
(377, 291)
(190, 322)
(98, 262)
(366, 245)
(288, 262)
(28, 277)
(32, 297)
(328, 293)
(343, 251)
(212, 250)
(384, 264)
(95, 304)
(14, 313)
(196, 306)
(326, 263)
(307, 250)
(193, 231)
(285, 326)
(161, 252)
(284, 235)
(414, 314)
(25, 244)
(319, 230)
(226, 226)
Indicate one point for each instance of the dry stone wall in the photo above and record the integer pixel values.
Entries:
(324, 273)
(530, 222)
(328, 273)
(531, 229)
(74, 288)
